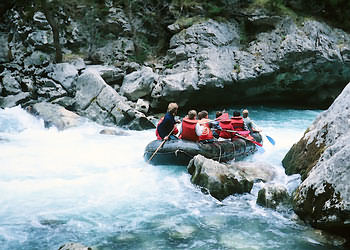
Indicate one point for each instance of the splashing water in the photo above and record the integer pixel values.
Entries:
(77, 185)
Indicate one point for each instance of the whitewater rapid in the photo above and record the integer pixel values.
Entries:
(78, 185)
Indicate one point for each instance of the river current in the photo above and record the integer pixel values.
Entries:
(80, 186)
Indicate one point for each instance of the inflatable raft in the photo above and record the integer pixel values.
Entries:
(180, 152)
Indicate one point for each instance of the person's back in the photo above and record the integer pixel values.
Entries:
(189, 127)
(237, 122)
(167, 125)
(207, 134)
(225, 124)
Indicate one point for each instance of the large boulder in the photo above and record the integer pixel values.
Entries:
(322, 156)
(216, 178)
(55, 115)
(99, 102)
(138, 83)
(65, 74)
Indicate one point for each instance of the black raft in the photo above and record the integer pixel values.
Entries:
(180, 152)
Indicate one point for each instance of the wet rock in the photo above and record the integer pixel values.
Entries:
(272, 195)
(256, 171)
(74, 246)
(113, 132)
(217, 179)
(322, 156)
(55, 115)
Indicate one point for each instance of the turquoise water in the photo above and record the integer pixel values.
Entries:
(79, 186)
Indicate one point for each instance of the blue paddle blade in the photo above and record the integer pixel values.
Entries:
(270, 140)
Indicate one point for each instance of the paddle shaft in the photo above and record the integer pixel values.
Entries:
(238, 135)
(159, 147)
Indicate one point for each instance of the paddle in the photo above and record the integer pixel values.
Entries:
(271, 140)
(160, 146)
(244, 138)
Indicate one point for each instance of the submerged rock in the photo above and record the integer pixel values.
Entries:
(74, 246)
(113, 132)
(322, 156)
(272, 195)
(218, 179)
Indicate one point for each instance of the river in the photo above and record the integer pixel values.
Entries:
(77, 185)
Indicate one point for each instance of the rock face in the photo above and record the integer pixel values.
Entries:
(212, 64)
(322, 156)
(218, 179)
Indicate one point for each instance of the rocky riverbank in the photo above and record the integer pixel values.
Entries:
(260, 57)
(322, 157)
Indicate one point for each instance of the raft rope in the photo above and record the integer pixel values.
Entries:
(184, 152)
(220, 153)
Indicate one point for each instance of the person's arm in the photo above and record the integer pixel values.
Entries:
(199, 129)
(180, 129)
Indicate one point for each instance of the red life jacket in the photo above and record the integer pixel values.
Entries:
(175, 131)
(189, 130)
(225, 125)
(237, 123)
(207, 133)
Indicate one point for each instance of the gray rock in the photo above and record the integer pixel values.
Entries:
(10, 84)
(40, 38)
(14, 100)
(37, 58)
(218, 179)
(88, 86)
(138, 84)
(41, 21)
(112, 75)
(55, 115)
(65, 74)
(99, 102)
(142, 106)
(74, 246)
(322, 156)
(113, 132)
(272, 195)
(4, 50)
(288, 56)
(256, 171)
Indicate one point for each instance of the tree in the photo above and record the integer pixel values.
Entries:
(46, 8)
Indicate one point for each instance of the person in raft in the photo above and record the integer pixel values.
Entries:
(249, 123)
(234, 123)
(190, 129)
(207, 135)
(167, 124)
(216, 124)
